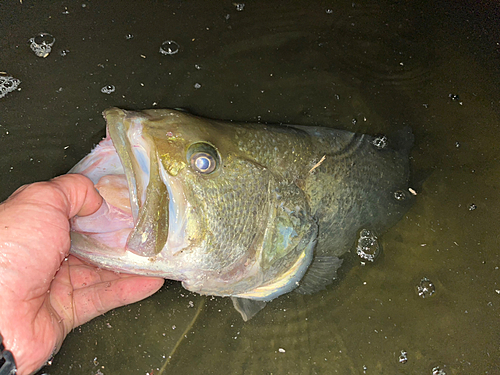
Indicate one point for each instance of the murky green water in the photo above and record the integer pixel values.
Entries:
(364, 66)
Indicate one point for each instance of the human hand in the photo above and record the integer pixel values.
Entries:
(44, 293)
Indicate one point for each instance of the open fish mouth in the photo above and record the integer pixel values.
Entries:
(141, 201)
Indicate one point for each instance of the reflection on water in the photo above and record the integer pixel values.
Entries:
(372, 67)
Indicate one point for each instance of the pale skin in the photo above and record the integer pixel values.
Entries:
(44, 292)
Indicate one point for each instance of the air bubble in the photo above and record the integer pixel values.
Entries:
(197, 85)
(8, 84)
(368, 247)
(380, 142)
(108, 89)
(169, 47)
(403, 357)
(42, 44)
(63, 52)
(455, 98)
(239, 6)
(438, 371)
(129, 36)
(399, 195)
(425, 288)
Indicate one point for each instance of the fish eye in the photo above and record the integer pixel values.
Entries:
(203, 157)
(202, 162)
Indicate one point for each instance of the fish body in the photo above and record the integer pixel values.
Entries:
(250, 211)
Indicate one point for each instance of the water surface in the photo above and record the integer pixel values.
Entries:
(366, 66)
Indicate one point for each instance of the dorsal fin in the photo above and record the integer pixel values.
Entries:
(321, 272)
(247, 307)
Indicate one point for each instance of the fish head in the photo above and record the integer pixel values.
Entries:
(188, 199)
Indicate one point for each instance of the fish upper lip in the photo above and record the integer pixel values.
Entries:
(148, 194)
(125, 134)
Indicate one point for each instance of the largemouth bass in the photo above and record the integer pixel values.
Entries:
(249, 211)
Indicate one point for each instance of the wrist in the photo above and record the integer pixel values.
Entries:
(7, 362)
(29, 346)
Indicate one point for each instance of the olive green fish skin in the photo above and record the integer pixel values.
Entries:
(359, 185)
(279, 197)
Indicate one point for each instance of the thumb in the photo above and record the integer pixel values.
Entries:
(82, 198)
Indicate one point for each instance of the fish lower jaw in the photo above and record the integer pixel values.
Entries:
(251, 285)
(123, 261)
(285, 283)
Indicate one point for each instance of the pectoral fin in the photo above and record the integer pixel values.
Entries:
(247, 307)
(321, 272)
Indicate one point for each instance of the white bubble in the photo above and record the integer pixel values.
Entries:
(368, 247)
(380, 142)
(8, 84)
(438, 371)
(42, 44)
(425, 288)
(399, 195)
(239, 6)
(108, 89)
(169, 47)
(403, 357)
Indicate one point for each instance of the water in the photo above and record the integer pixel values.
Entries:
(372, 67)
